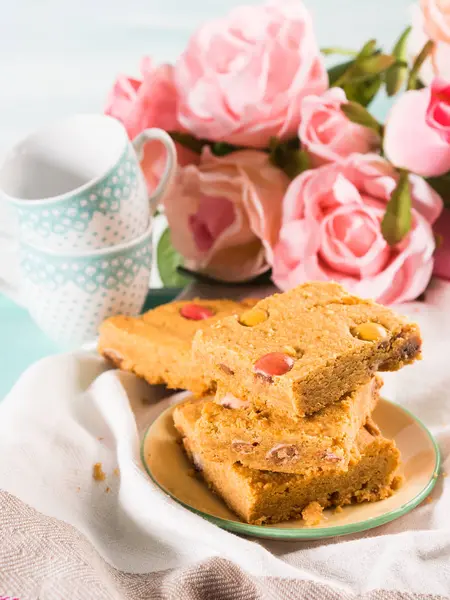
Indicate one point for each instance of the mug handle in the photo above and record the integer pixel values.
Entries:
(171, 163)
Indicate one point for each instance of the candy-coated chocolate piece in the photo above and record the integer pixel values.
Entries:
(195, 312)
(274, 363)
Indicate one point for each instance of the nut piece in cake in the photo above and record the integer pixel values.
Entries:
(262, 439)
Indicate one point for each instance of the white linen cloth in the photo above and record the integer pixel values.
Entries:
(70, 411)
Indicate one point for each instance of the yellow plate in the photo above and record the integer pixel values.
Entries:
(167, 465)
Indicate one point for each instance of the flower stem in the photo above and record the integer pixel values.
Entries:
(417, 65)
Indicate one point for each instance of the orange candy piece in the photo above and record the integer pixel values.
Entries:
(274, 363)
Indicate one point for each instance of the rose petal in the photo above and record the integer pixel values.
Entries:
(436, 20)
(405, 127)
(229, 78)
(326, 132)
(438, 110)
(425, 200)
(349, 247)
(359, 249)
(224, 214)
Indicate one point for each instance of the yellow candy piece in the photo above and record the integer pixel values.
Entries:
(370, 332)
(253, 317)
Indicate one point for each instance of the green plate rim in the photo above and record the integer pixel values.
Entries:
(263, 531)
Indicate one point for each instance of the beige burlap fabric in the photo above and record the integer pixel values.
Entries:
(46, 559)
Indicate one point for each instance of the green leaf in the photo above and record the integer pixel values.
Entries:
(395, 78)
(373, 65)
(298, 162)
(222, 148)
(396, 222)
(351, 71)
(396, 75)
(367, 50)
(168, 260)
(417, 65)
(363, 91)
(360, 78)
(288, 156)
(338, 50)
(196, 145)
(188, 141)
(336, 72)
(419, 84)
(358, 114)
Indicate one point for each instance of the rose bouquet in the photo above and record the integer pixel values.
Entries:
(283, 171)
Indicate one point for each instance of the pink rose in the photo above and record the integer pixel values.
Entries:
(431, 21)
(436, 19)
(327, 134)
(438, 111)
(150, 102)
(413, 133)
(331, 230)
(242, 78)
(224, 215)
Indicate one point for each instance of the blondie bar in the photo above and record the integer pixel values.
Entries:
(157, 344)
(260, 497)
(296, 352)
(321, 442)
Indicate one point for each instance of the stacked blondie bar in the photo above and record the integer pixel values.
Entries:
(281, 422)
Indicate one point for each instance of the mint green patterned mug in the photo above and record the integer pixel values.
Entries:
(77, 184)
(70, 294)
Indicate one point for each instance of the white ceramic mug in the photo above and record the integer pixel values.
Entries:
(70, 294)
(77, 185)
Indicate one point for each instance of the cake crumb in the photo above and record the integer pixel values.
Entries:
(78, 489)
(108, 489)
(116, 472)
(312, 514)
(429, 500)
(444, 474)
(338, 509)
(100, 438)
(98, 473)
(397, 482)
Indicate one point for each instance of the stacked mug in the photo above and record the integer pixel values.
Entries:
(84, 223)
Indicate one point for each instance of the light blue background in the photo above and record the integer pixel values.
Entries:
(59, 57)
